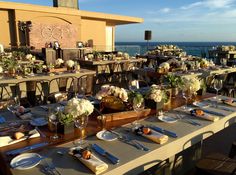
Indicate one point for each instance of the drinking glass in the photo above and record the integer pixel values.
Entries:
(138, 105)
(53, 118)
(133, 85)
(102, 121)
(218, 84)
(187, 94)
(13, 104)
(81, 123)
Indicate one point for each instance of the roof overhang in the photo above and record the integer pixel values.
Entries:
(112, 18)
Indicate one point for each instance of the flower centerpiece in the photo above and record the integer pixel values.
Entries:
(164, 67)
(59, 63)
(174, 82)
(191, 86)
(204, 63)
(70, 65)
(112, 97)
(75, 109)
(154, 97)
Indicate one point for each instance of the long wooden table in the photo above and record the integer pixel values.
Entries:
(39, 77)
(132, 161)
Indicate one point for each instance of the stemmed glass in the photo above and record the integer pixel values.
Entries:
(53, 118)
(218, 84)
(80, 123)
(133, 85)
(187, 94)
(13, 104)
(138, 105)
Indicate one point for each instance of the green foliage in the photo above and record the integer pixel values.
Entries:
(173, 81)
(65, 119)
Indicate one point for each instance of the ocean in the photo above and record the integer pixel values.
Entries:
(192, 48)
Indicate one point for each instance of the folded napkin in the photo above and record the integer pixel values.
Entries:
(94, 164)
(208, 117)
(156, 137)
(7, 140)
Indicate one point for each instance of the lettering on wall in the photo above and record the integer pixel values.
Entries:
(65, 34)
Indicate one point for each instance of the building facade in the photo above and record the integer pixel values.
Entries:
(35, 26)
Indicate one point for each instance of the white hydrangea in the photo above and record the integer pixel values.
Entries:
(59, 61)
(78, 107)
(1, 69)
(70, 63)
(194, 83)
(155, 93)
(165, 65)
(107, 90)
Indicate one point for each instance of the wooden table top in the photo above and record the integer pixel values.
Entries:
(129, 156)
(38, 77)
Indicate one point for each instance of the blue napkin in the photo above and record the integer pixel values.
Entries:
(2, 120)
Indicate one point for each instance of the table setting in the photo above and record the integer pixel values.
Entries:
(95, 151)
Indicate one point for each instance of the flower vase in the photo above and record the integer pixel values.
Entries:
(66, 128)
(159, 105)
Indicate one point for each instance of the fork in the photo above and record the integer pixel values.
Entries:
(181, 117)
(126, 139)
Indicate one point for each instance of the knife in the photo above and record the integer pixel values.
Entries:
(163, 131)
(104, 153)
(27, 148)
(213, 112)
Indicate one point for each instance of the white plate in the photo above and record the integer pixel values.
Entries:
(39, 122)
(167, 119)
(106, 135)
(28, 160)
(201, 104)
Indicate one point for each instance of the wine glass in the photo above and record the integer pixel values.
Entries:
(138, 105)
(133, 85)
(218, 84)
(53, 118)
(13, 104)
(187, 94)
(80, 123)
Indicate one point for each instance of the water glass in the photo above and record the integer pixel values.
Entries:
(13, 104)
(53, 118)
(138, 105)
(218, 84)
(81, 123)
(102, 119)
(187, 94)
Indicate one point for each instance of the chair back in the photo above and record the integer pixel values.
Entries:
(85, 85)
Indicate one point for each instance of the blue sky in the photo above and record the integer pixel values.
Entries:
(169, 20)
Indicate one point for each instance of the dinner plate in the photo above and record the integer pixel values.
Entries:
(167, 119)
(39, 122)
(106, 135)
(201, 104)
(25, 161)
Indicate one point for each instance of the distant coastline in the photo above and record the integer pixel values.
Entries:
(192, 48)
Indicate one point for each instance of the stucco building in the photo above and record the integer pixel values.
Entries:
(34, 25)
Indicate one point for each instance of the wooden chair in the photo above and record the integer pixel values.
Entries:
(61, 88)
(218, 164)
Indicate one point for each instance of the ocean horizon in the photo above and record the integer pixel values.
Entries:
(192, 48)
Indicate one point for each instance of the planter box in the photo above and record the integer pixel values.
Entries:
(66, 129)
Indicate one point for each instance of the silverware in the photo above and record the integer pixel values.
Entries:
(40, 132)
(188, 120)
(53, 168)
(106, 154)
(27, 148)
(163, 131)
(126, 140)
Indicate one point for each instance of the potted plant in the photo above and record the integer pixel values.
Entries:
(10, 64)
(75, 109)
(174, 82)
(154, 97)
